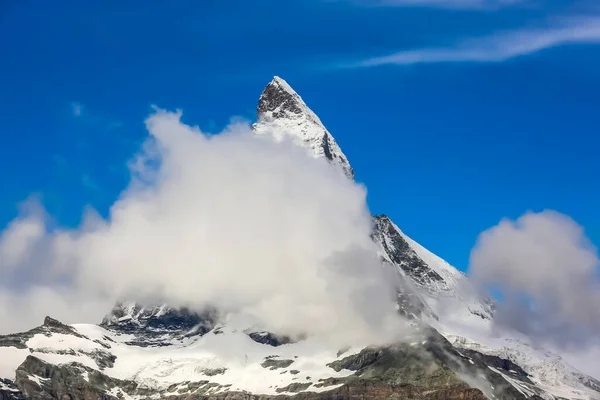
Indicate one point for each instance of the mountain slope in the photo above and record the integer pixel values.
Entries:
(88, 361)
(142, 351)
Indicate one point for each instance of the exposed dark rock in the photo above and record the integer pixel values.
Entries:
(9, 391)
(401, 254)
(357, 361)
(432, 364)
(270, 338)
(214, 371)
(294, 387)
(272, 363)
(499, 363)
(102, 358)
(150, 325)
(358, 391)
(278, 102)
(49, 327)
(40, 380)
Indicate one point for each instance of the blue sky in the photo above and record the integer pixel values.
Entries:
(454, 113)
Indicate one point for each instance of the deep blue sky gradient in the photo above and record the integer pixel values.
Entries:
(446, 150)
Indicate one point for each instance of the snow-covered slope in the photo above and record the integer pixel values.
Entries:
(229, 359)
(57, 360)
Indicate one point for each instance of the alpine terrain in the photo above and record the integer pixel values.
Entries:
(144, 351)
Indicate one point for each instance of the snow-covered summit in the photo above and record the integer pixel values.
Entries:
(283, 114)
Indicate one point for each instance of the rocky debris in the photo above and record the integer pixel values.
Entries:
(272, 363)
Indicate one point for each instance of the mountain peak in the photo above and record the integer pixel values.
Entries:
(282, 113)
(282, 84)
(279, 99)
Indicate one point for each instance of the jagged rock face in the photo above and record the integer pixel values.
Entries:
(148, 323)
(433, 277)
(10, 391)
(283, 114)
(400, 253)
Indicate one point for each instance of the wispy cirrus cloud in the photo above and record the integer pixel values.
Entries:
(500, 46)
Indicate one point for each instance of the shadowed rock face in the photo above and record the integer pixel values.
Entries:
(400, 252)
(152, 324)
(10, 391)
(279, 101)
(270, 338)
(40, 380)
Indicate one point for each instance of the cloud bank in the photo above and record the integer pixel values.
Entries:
(546, 272)
(259, 229)
(501, 46)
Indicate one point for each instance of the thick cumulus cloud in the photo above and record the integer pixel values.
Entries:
(258, 229)
(546, 273)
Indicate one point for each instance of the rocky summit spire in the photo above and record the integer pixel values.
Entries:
(282, 112)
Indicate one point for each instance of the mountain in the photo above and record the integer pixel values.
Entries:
(157, 351)
(283, 114)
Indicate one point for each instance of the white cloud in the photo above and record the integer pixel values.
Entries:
(259, 229)
(500, 46)
(547, 273)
